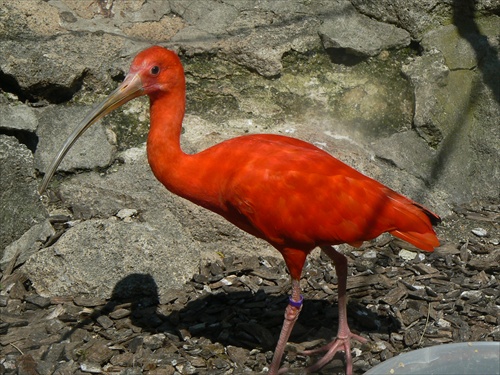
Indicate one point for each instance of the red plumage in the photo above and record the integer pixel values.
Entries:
(295, 195)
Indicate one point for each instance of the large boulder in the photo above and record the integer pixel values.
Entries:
(93, 257)
(21, 206)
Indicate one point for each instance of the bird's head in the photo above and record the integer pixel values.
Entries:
(154, 71)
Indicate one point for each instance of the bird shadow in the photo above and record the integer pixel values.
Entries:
(246, 319)
(138, 293)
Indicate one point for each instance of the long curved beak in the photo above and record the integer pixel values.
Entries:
(130, 88)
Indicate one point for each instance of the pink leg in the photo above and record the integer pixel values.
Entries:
(344, 334)
(291, 314)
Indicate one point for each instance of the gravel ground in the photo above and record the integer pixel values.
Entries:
(226, 320)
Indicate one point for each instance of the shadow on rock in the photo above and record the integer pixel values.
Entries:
(486, 54)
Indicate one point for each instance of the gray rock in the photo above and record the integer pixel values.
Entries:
(429, 77)
(211, 17)
(72, 60)
(119, 18)
(255, 36)
(24, 60)
(394, 149)
(416, 17)
(458, 52)
(93, 257)
(451, 115)
(469, 157)
(30, 242)
(488, 5)
(361, 35)
(20, 204)
(18, 22)
(263, 50)
(19, 117)
(166, 239)
(95, 148)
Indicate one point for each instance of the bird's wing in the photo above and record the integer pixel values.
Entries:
(293, 193)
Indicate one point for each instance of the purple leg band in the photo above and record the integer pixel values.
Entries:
(296, 304)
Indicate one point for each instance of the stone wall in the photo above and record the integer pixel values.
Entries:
(407, 92)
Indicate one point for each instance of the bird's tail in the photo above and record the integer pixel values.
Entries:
(414, 224)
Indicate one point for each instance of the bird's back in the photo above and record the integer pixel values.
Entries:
(293, 194)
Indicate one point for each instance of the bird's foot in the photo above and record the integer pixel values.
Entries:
(339, 344)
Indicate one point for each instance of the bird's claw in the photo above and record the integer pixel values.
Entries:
(339, 344)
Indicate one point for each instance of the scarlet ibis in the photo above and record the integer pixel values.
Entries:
(283, 190)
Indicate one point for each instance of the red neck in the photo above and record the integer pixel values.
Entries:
(164, 151)
(184, 175)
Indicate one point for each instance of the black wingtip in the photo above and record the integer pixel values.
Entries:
(434, 219)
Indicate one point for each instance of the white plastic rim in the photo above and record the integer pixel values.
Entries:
(465, 358)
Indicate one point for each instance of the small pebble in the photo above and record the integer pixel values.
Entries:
(480, 232)
(155, 341)
(471, 294)
(370, 254)
(3, 300)
(443, 323)
(407, 255)
(119, 314)
(91, 368)
(378, 346)
(105, 322)
(126, 213)
(41, 302)
(357, 352)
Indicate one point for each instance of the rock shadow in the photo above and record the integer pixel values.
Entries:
(488, 65)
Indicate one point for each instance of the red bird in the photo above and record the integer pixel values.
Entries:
(283, 190)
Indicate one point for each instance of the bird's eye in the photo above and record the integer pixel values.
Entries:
(155, 70)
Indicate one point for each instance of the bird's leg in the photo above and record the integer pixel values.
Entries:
(344, 334)
(291, 314)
